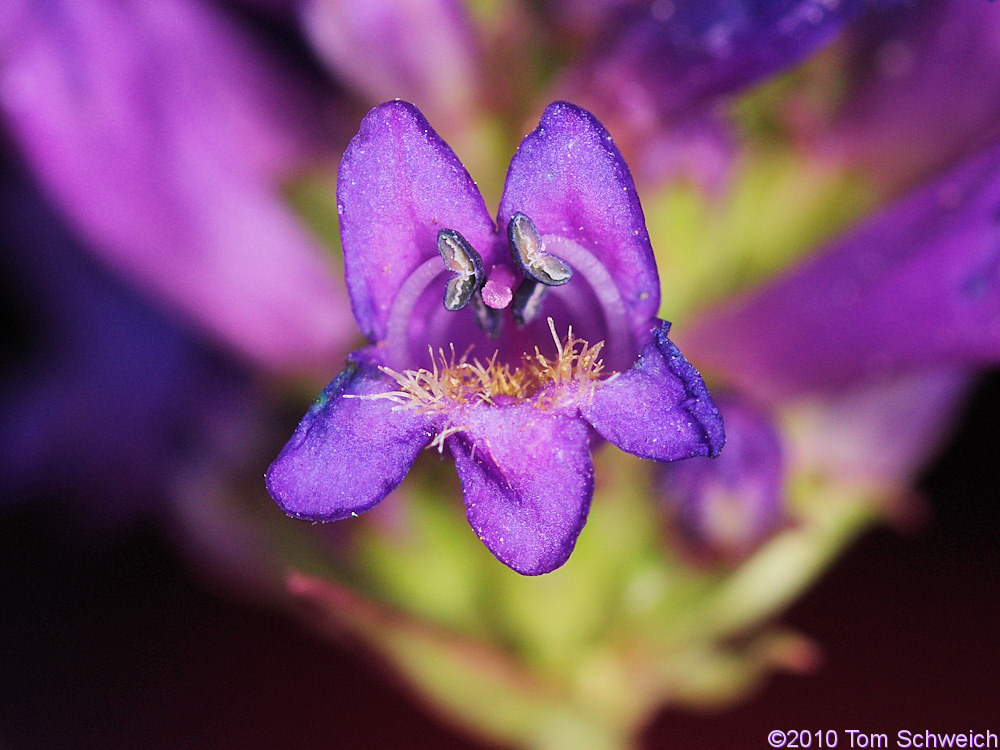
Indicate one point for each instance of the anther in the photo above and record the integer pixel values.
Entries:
(462, 259)
(528, 301)
(528, 251)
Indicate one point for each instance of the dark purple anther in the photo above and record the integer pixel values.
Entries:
(460, 258)
(528, 250)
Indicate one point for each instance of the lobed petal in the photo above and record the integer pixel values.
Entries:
(659, 409)
(398, 185)
(527, 479)
(349, 451)
(570, 180)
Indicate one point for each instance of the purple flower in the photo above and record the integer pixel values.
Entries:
(513, 396)
(662, 70)
(729, 505)
(163, 133)
(923, 89)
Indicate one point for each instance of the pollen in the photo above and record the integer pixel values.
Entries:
(455, 381)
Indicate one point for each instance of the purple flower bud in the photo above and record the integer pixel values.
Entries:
(727, 505)
(512, 395)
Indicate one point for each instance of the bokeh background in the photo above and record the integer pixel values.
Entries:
(126, 619)
(121, 644)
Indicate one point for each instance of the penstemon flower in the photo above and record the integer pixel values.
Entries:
(186, 145)
(547, 329)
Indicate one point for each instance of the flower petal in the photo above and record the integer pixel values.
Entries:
(162, 132)
(665, 69)
(399, 184)
(923, 89)
(659, 409)
(527, 478)
(915, 286)
(349, 451)
(422, 50)
(570, 180)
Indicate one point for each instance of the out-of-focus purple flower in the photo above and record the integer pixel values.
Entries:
(881, 433)
(923, 89)
(163, 132)
(422, 50)
(915, 287)
(727, 505)
(111, 398)
(571, 254)
(663, 68)
(876, 338)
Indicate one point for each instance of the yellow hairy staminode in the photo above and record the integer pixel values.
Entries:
(461, 381)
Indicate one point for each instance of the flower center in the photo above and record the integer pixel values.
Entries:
(454, 382)
(536, 276)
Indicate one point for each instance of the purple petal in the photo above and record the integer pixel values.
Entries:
(528, 479)
(420, 50)
(570, 180)
(660, 73)
(730, 503)
(917, 285)
(398, 185)
(162, 132)
(349, 451)
(659, 409)
(924, 88)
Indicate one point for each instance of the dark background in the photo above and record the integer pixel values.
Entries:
(115, 645)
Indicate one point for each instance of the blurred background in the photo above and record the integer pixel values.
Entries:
(173, 298)
(119, 644)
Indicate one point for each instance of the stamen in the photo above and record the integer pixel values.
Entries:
(461, 258)
(489, 318)
(600, 280)
(528, 251)
(528, 301)
(458, 381)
